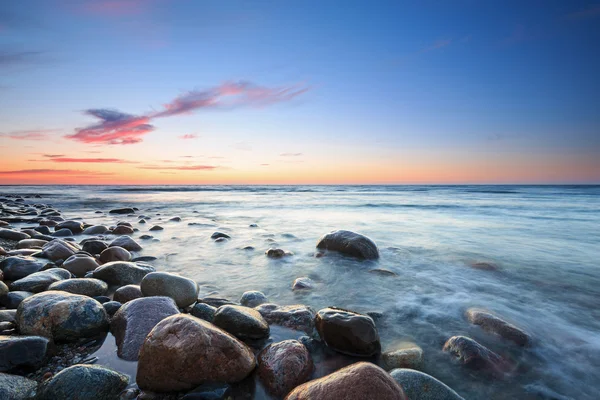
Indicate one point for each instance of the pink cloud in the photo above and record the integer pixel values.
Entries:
(188, 136)
(46, 171)
(36, 134)
(90, 160)
(183, 167)
(115, 127)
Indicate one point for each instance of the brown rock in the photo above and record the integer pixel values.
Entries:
(298, 316)
(493, 324)
(348, 332)
(122, 230)
(360, 381)
(283, 366)
(127, 293)
(473, 355)
(114, 253)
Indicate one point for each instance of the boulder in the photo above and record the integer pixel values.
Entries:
(114, 254)
(134, 320)
(74, 226)
(84, 382)
(183, 290)
(204, 311)
(350, 243)
(61, 316)
(362, 380)
(406, 357)
(283, 366)
(94, 246)
(14, 387)
(22, 352)
(496, 325)
(126, 210)
(303, 283)
(476, 356)
(253, 298)
(12, 299)
(348, 332)
(31, 243)
(84, 286)
(96, 230)
(80, 264)
(17, 267)
(9, 234)
(126, 242)
(120, 273)
(298, 316)
(127, 293)
(122, 230)
(242, 322)
(59, 249)
(191, 352)
(39, 281)
(420, 386)
(111, 307)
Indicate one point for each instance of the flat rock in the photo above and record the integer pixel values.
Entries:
(283, 366)
(362, 380)
(120, 273)
(9, 234)
(22, 352)
(114, 254)
(253, 298)
(350, 243)
(191, 352)
(475, 356)
(17, 267)
(80, 264)
(127, 243)
(15, 387)
(242, 322)
(420, 386)
(84, 286)
(126, 210)
(496, 325)
(348, 332)
(181, 289)
(39, 281)
(298, 316)
(127, 293)
(134, 320)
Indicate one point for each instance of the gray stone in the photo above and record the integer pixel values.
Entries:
(17, 267)
(122, 273)
(183, 290)
(12, 300)
(127, 243)
(420, 386)
(85, 286)
(297, 316)
(111, 307)
(253, 298)
(73, 226)
(59, 249)
(242, 322)
(204, 311)
(94, 246)
(114, 254)
(348, 332)
(14, 387)
(39, 281)
(80, 264)
(64, 232)
(9, 234)
(95, 230)
(349, 243)
(31, 243)
(406, 357)
(127, 293)
(303, 283)
(8, 315)
(22, 352)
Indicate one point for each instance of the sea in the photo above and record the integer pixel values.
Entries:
(544, 240)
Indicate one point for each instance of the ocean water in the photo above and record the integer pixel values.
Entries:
(544, 239)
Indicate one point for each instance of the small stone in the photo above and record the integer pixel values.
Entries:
(80, 264)
(475, 356)
(253, 298)
(120, 273)
(175, 219)
(350, 243)
(96, 230)
(242, 322)
(114, 254)
(283, 366)
(93, 246)
(146, 237)
(348, 332)
(64, 232)
(302, 283)
(276, 253)
(122, 230)
(73, 226)
(111, 307)
(298, 316)
(127, 293)
(218, 235)
(156, 228)
(59, 249)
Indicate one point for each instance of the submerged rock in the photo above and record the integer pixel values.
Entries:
(420, 386)
(253, 298)
(183, 290)
(242, 322)
(362, 380)
(283, 366)
(16, 387)
(39, 281)
(475, 356)
(218, 235)
(350, 243)
(348, 332)
(126, 210)
(407, 357)
(191, 352)
(382, 272)
(156, 228)
(484, 266)
(494, 324)
(84, 286)
(80, 264)
(122, 273)
(17, 352)
(303, 283)
(298, 316)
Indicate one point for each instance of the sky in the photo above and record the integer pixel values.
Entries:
(306, 92)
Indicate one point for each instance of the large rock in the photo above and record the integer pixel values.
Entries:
(127, 293)
(127, 243)
(134, 320)
(122, 273)
(191, 352)
(183, 290)
(420, 386)
(39, 281)
(122, 230)
(61, 316)
(126, 210)
(283, 366)
(349, 243)
(114, 254)
(14, 387)
(12, 299)
(253, 298)
(17, 267)
(242, 322)
(84, 286)
(18, 352)
(84, 382)
(406, 357)
(59, 249)
(95, 230)
(364, 381)
(80, 264)
(493, 324)
(476, 356)
(297, 316)
(31, 243)
(9, 234)
(73, 226)
(94, 246)
(348, 332)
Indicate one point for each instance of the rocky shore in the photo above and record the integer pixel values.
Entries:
(67, 286)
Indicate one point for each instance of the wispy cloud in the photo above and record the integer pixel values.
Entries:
(182, 167)
(91, 160)
(46, 171)
(53, 155)
(291, 154)
(36, 134)
(591, 12)
(188, 136)
(115, 127)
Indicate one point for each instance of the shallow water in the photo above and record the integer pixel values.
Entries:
(545, 240)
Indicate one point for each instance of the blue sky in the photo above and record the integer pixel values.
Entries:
(388, 91)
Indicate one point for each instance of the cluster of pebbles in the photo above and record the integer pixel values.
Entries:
(65, 284)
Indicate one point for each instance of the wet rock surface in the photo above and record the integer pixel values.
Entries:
(283, 366)
(40, 281)
(120, 273)
(15, 387)
(350, 243)
(183, 290)
(21, 352)
(242, 322)
(84, 286)
(348, 332)
(491, 323)
(298, 316)
(420, 386)
(476, 356)
(127, 293)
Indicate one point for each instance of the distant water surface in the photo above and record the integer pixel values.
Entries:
(545, 240)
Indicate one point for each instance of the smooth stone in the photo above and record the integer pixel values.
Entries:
(496, 325)
(61, 316)
(15, 387)
(382, 272)
(348, 332)
(283, 366)
(298, 316)
(96, 230)
(350, 243)
(9, 234)
(201, 353)
(31, 243)
(121, 273)
(111, 307)
(114, 254)
(127, 243)
(303, 283)
(276, 253)
(43, 230)
(124, 223)
(18, 267)
(18, 352)
(126, 210)
(64, 232)
(24, 252)
(122, 230)
(183, 290)
(253, 298)
(101, 299)
(8, 315)
(84, 382)
(253, 226)
(175, 219)
(408, 357)
(39, 281)
(135, 319)
(242, 322)
(73, 226)
(59, 249)
(362, 380)
(218, 235)
(216, 301)
(156, 228)
(475, 356)
(204, 311)
(420, 386)
(12, 299)
(94, 246)
(80, 264)
(146, 237)
(84, 286)
(127, 293)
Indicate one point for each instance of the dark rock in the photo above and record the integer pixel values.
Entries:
(80, 264)
(39, 281)
(146, 237)
(253, 225)
(484, 266)
(14, 387)
(18, 352)
(124, 223)
(111, 307)
(96, 230)
(276, 253)
(94, 246)
(144, 259)
(43, 230)
(362, 380)
(9, 234)
(382, 272)
(175, 219)
(84, 286)
(298, 317)
(31, 243)
(493, 324)
(348, 332)
(127, 243)
(64, 232)
(210, 391)
(59, 249)
(349, 243)
(420, 386)
(114, 254)
(242, 322)
(61, 316)
(204, 311)
(17, 267)
(253, 298)
(12, 300)
(156, 228)
(202, 353)
(475, 356)
(218, 235)
(283, 366)
(134, 320)
(8, 315)
(127, 293)
(84, 382)
(120, 273)
(122, 230)
(101, 299)
(216, 301)
(73, 226)
(405, 357)
(183, 290)
(122, 211)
